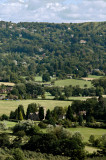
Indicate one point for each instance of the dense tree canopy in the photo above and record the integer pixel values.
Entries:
(31, 48)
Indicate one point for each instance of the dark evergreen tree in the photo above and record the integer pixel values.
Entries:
(32, 108)
(48, 114)
(69, 113)
(80, 120)
(41, 113)
(46, 77)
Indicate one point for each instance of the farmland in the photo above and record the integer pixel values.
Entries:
(73, 82)
(67, 82)
(7, 106)
(86, 132)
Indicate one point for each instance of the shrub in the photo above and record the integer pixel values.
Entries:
(66, 123)
(3, 126)
(18, 154)
(4, 140)
(92, 139)
(4, 117)
(20, 133)
(42, 125)
(29, 127)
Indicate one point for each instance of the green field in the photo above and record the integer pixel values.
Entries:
(86, 132)
(94, 76)
(66, 82)
(8, 123)
(38, 79)
(90, 149)
(7, 106)
(73, 82)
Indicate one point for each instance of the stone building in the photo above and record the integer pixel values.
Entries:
(35, 116)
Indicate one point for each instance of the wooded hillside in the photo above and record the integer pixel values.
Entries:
(31, 48)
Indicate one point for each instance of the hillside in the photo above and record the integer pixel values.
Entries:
(61, 49)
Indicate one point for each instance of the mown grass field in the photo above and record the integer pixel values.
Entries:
(94, 76)
(49, 96)
(38, 79)
(7, 106)
(73, 82)
(9, 123)
(86, 132)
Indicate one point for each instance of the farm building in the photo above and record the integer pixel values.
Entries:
(35, 116)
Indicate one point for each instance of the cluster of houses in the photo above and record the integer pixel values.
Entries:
(4, 89)
(35, 116)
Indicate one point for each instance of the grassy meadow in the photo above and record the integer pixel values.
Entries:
(73, 82)
(86, 132)
(94, 76)
(48, 96)
(7, 106)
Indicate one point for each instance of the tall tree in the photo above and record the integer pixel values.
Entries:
(31, 109)
(69, 114)
(20, 116)
(48, 114)
(41, 113)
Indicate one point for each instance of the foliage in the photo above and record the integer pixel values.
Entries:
(43, 48)
(58, 142)
(18, 113)
(48, 114)
(31, 109)
(69, 114)
(4, 117)
(4, 140)
(42, 125)
(29, 127)
(18, 154)
(46, 77)
(80, 120)
(41, 113)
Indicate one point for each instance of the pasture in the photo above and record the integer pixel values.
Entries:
(94, 76)
(48, 96)
(73, 82)
(7, 106)
(86, 132)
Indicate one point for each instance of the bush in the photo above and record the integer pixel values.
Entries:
(18, 154)
(4, 140)
(3, 126)
(92, 139)
(29, 127)
(9, 158)
(4, 117)
(96, 125)
(20, 133)
(42, 125)
(66, 123)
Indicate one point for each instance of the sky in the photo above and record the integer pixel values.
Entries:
(56, 11)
